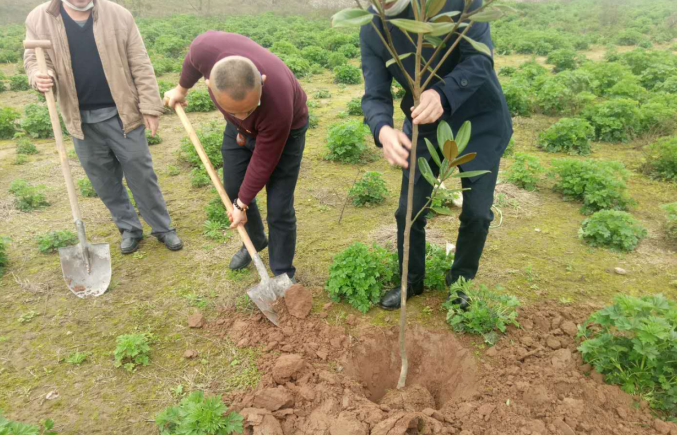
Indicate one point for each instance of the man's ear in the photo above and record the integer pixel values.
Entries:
(207, 83)
(263, 78)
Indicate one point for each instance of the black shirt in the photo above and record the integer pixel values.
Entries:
(90, 80)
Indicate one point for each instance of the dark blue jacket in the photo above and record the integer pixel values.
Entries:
(470, 90)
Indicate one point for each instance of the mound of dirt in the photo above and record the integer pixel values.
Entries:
(317, 379)
(299, 301)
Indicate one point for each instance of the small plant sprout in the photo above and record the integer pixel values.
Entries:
(132, 350)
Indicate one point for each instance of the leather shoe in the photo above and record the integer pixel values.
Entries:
(393, 298)
(171, 240)
(461, 299)
(242, 259)
(129, 245)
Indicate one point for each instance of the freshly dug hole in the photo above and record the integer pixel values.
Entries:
(437, 362)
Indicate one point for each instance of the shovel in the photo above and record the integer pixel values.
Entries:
(86, 267)
(266, 293)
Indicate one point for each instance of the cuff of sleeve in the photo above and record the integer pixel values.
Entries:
(377, 132)
(443, 98)
(154, 111)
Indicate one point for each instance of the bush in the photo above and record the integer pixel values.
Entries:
(217, 213)
(298, 65)
(670, 224)
(568, 135)
(518, 95)
(197, 414)
(8, 122)
(563, 59)
(19, 82)
(165, 86)
(629, 37)
(25, 146)
(171, 46)
(488, 311)
(355, 107)
(507, 71)
(628, 89)
(605, 75)
(284, 48)
(599, 184)
(132, 350)
(27, 197)
(613, 229)
(657, 118)
(346, 141)
(52, 241)
(524, 172)
(555, 98)
(437, 264)
(369, 190)
(655, 75)
(199, 177)
(347, 74)
(316, 55)
(153, 140)
(199, 101)
(617, 120)
(4, 261)
(529, 71)
(86, 188)
(669, 85)
(335, 60)
(36, 122)
(211, 137)
(349, 51)
(661, 159)
(20, 159)
(322, 93)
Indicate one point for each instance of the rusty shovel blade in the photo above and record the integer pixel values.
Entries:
(267, 292)
(82, 280)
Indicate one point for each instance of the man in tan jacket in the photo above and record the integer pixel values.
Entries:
(106, 88)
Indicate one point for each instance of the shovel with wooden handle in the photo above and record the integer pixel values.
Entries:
(267, 292)
(86, 267)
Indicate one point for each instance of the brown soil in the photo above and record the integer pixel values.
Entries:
(325, 380)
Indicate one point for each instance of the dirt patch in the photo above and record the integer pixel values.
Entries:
(299, 301)
(318, 379)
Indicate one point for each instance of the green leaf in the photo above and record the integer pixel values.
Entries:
(440, 29)
(442, 210)
(427, 173)
(444, 134)
(479, 46)
(433, 152)
(463, 136)
(434, 41)
(401, 56)
(450, 151)
(433, 7)
(446, 16)
(351, 17)
(412, 26)
(487, 15)
(469, 174)
(463, 159)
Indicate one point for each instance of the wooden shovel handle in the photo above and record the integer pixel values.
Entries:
(213, 175)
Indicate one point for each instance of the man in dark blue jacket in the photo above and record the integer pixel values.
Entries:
(470, 91)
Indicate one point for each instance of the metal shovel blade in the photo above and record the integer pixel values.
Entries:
(82, 282)
(267, 292)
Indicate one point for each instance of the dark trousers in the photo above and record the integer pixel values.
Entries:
(476, 216)
(280, 189)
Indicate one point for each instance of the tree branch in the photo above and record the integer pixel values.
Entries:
(441, 62)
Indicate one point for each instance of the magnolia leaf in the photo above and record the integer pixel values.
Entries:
(427, 173)
(450, 150)
(401, 56)
(446, 15)
(434, 41)
(433, 7)
(433, 152)
(463, 136)
(465, 158)
(469, 174)
(440, 29)
(444, 133)
(351, 17)
(487, 15)
(441, 210)
(412, 26)
(479, 46)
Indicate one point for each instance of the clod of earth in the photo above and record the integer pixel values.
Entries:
(299, 301)
(196, 320)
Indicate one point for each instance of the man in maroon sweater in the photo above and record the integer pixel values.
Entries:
(267, 118)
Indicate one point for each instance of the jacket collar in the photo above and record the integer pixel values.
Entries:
(54, 8)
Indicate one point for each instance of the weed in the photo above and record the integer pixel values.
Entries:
(197, 414)
(525, 171)
(173, 170)
(153, 140)
(86, 188)
(199, 101)
(132, 350)
(28, 316)
(28, 197)
(51, 242)
(20, 159)
(369, 190)
(347, 74)
(569, 135)
(8, 122)
(613, 229)
(25, 146)
(437, 264)
(346, 141)
(8, 427)
(322, 93)
(77, 357)
(199, 177)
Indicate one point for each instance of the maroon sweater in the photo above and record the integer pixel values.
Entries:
(283, 103)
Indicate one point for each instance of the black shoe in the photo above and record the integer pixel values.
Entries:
(393, 298)
(129, 245)
(171, 240)
(242, 259)
(461, 299)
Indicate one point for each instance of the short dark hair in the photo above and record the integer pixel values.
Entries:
(235, 75)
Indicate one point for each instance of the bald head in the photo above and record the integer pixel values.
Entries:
(237, 76)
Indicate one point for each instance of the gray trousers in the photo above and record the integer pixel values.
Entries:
(107, 155)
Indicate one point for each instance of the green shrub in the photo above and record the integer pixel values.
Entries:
(669, 85)
(51, 242)
(346, 141)
(369, 190)
(661, 159)
(132, 350)
(437, 264)
(322, 93)
(217, 213)
(335, 60)
(284, 48)
(8, 122)
(657, 118)
(670, 223)
(555, 98)
(629, 37)
(171, 46)
(359, 275)
(36, 122)
(605, 75)
(199, 177)
(211, 137)
(25, 146)
(355, 107)
(153, 140)
(616, 120)
(529, 71)
(19, 82)
(86, 188)
(199, 101)
(8, 427)
(347, 74)
(518, 95)
(316, 55)
(568, 135)
(20, 159)
(599, 184)
(349, 51)
(298, 65)
(28, 197)
(507, 71)
(163, 65)
(613, 229)
(628, 89)
(199, 415)
(525, 171)
(165, 86)
(4, 260)
(510, 149)
(655, 75)
(487, 313)
(632, 343)
(563, 59)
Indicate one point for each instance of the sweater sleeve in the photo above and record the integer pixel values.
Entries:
(190, 74)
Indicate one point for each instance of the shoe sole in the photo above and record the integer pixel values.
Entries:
(175, 248)
(128, 251)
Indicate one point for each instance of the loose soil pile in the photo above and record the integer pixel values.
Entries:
(318, 379)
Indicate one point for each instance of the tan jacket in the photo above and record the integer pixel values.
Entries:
(128, 70)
